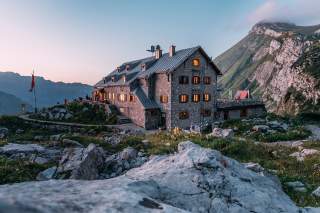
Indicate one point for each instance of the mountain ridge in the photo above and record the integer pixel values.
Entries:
(48, 92)
(278, 62)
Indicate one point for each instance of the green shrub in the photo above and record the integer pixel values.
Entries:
(14, 171)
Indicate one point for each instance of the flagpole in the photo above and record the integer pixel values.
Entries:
(35, 97)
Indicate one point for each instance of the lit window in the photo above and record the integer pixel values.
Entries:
(131, 98)
(121, 109)
(113, 96)
(206, 112)
(206, 97)
(109, 95)
(196, 97)
(183, 98)
(183, 115)
(163, 99)
(122, 97)
(196, 80)
(207, 80)
(196, 62)
(183, 80)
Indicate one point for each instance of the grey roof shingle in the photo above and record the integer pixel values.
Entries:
(145, 101)
(163, 64)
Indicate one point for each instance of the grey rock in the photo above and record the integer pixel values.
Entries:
(38, 159)
(55, 137)
(316, 192)
(71, 143)
(81, 163)
(19, 131)
(193, 180)
(221, 133)
(303, 153)
(297, 186)
(13, 148)
(260, 128)
(47, 174)
(128, 153)
(254, 167)
(3, 132)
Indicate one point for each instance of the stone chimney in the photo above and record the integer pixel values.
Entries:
(172, 50)
(158, 52)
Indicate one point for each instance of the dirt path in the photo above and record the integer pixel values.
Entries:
(120, 126)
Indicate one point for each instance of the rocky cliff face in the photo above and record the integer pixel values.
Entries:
(278, 62)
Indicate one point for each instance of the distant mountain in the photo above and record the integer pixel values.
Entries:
(279, 62)
(48, 92)
(11, 105)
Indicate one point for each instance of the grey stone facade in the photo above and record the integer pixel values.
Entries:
(162, 79)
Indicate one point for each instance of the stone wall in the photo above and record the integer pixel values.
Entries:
(251, 111)
(194, 109)
(133, 110)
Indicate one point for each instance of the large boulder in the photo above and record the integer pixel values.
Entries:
(81, 163)
(193, 180)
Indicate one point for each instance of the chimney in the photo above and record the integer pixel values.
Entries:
(158, 52)
(172, 50)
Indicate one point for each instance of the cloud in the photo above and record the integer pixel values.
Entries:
(304, 12)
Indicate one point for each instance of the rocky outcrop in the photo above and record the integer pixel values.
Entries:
(280, 63)
(81, 163)
(193, 180)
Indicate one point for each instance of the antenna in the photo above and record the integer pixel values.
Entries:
(152, 49)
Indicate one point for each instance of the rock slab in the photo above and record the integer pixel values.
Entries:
(193, 180)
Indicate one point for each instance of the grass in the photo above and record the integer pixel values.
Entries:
(297, 133)
(14, 171)
(84, 113)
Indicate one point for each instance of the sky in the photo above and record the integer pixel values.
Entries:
(84, 40)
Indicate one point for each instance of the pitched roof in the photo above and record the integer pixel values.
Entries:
(145, 101)
(164, 64)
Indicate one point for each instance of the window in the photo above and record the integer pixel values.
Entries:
(206, 80)
(183, 80)
(163, 99)
(113, 96)
(113, 79)
(122, 97)
(183, 98)
(183, 115)
(196, 97)
(196, 62)
(131, 98)
(196, 80)
(206, 112)
(206, 97)
(243, 113)
(121, 109)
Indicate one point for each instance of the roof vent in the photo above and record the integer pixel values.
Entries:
(158, 52)
(172, 50)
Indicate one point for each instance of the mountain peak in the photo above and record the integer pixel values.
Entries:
(283, 27)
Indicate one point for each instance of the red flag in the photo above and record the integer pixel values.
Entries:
(33, 83)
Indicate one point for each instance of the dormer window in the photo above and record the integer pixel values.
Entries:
(127, 67)
(113, 79)
(143, 67)
(118, 69)
(196, 62)
(124, 78)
